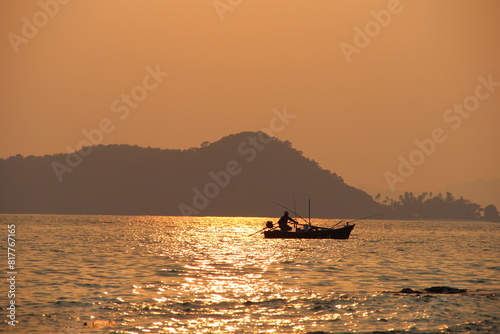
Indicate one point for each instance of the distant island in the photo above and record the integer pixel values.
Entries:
(239, 175)
(436, 206)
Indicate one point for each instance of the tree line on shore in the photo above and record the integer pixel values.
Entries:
(428, 205)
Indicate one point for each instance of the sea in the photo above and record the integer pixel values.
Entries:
(152, 274)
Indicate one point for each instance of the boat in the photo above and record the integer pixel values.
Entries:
(312, 232)
(309, 231)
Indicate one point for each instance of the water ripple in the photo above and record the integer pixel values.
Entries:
(175, 275)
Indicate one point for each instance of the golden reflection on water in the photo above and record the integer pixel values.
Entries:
(222, 272)
(218, 265)
(225, 272)
(208, 275)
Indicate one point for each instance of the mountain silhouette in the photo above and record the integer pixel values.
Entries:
(245, 174)
(239, 175)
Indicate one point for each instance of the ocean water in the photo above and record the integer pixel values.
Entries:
(208, 275)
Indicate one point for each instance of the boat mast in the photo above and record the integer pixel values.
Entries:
(309, 212)
(294, 209)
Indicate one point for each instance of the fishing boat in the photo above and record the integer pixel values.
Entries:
(312, 232)
(309, 231)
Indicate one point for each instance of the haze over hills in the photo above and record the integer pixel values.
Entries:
(481, 191)
(243, 174)
(239, 175)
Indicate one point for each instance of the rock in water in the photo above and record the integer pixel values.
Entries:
(435, 289)
(444, 290)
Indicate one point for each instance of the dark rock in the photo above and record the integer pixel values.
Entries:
(435, 289)
(409, 290)
(444, 290)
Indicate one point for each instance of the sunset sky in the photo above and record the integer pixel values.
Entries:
(365, 80)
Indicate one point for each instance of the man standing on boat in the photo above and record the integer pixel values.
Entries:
(283, 222)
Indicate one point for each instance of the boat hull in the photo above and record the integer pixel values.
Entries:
(337, 233)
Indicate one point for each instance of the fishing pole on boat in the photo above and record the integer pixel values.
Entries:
(269, 226)
(356, 219)
(338, 223)
(378, 214)
(258, 231)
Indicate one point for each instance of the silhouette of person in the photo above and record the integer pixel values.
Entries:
(283, 222)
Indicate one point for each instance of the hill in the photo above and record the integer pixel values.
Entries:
(239, 175)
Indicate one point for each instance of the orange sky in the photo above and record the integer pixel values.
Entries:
(230, 62)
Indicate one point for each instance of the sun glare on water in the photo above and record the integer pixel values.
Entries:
(216, 275)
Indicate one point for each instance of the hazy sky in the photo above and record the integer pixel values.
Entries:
(365, 79)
